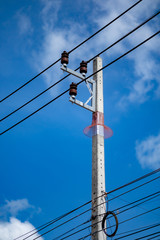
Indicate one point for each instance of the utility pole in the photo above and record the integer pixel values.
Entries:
(98, 165)
(98, 131)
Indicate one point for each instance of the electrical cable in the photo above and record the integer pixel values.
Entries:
(152, 196)
(136, 180)
(71, 51)
(113, 213)
(71, 230)
(137, 229)
(105, 217)
(103, 223)
(81, 82)
(124, 221)
(52, 221)
(153, 237)
(134, 188)
(57, 219)
(139, 215)
(138, 232)
(147, 235)
(126, 35)
(138, 206)
(125, 185)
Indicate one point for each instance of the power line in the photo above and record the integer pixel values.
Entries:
(40, 228)
(148, 235)
(72, 229)
(80, 82)
(152, 195)
(136, 229)
(123, 222)
(62, 216)
(140, 215)
(71, 51)
(136, 180)
(134, 188)
(138, 232)
(53, 85)
(154, 237)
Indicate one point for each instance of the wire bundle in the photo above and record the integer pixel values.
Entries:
(77, 223)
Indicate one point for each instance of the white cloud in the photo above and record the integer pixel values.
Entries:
(24, 23)
(49, 13)
(13, 207)
(146, 68)
(57, 38)
(148, 152)
(14, 228)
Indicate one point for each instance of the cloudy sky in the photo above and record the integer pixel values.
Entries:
(46, 160)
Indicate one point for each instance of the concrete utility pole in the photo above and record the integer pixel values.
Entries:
(98, 166)
(98, 131)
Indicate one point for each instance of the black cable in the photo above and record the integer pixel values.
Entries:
(134, 188)
(80, 82)
(140, 215)
(40, 228)
(148, 196)
(153, 237)
(71, 51)
(73, 233)
(123, 221)
(113, 211)
(72, 229)
(138, 203)
(138, 232)
(57, 219)
(148, 235)
(140, 206)
(134, 181)
(152, 196)
(100, 221)
(126, 35)
(137, 229)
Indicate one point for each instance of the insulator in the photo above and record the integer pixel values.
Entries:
(64, 58)
(73, 90)
(83, 67)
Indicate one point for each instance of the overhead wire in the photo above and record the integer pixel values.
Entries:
(123, 221)
(136, 180)
(43, 226)
(107, 65)
(116, 189)
(137, 229)
(16, 90)
(111, 199)
(153, 237)
(145, 229)
(53, 85)
(151, 195)
(133, 207)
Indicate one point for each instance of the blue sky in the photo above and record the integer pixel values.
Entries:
(46, 161)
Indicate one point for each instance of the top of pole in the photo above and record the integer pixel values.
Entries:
(98, 77)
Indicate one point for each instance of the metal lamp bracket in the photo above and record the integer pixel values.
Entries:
(91, 85)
